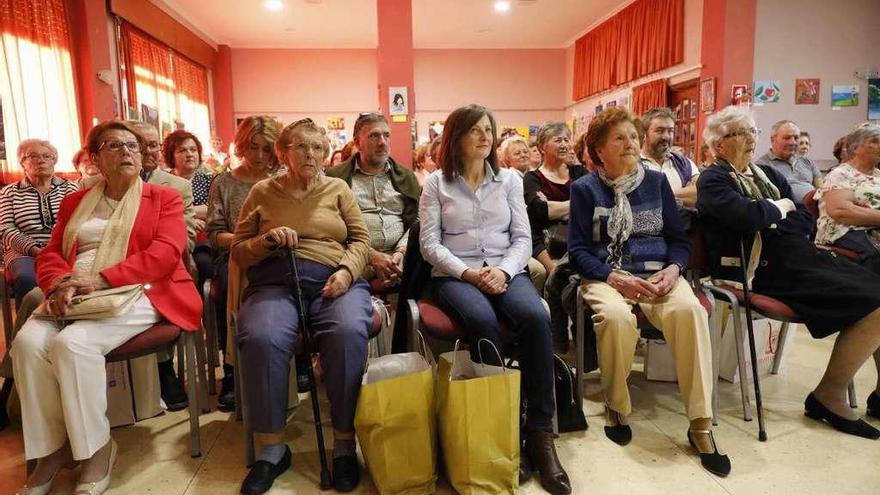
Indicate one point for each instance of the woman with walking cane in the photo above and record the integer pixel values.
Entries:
(739, 200)
(318, 216)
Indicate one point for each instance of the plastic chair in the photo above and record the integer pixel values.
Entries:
(156, 338)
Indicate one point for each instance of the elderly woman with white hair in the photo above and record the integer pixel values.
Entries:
(739, 202)
(29, 210)
(849, 199)
(514, 154)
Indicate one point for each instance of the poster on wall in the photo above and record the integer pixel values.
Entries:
(767, 91)
(335, 123)
(611, 104)
(844, 96)
(598, 109)
(739, 94)
(435, 129)
(873, 99)
(806, 92)
(399, 103)
(707, 95)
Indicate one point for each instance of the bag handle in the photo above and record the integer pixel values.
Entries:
(480, 352)
(429, 357)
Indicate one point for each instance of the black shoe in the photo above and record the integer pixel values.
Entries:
(525, 467)
(263, 473)
(620, 434)
(346, 473)
(172, 390)
(715, 462)
(874, 405)
(814, 409)
(226, 397)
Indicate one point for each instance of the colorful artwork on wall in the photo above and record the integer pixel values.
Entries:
(739, 94)
(806, 92)
(844, 96)
(873, 99)
(767, 91)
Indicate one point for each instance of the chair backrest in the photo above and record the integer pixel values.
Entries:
(699, 262)
(811, 204)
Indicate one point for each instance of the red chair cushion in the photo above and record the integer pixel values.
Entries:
(766, 305)
(376, 325)
(379, 289)
(437, 324)
(156, 337)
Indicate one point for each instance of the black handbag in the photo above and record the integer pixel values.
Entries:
(556, 240)
(569, 413)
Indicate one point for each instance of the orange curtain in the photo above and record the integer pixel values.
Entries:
(649, 95)
(643, 38)
(37, 90)
(164, 88)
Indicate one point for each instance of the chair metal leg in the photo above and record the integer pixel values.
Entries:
(202, 390)
(189, 343)
(715, 339)
(579, 346)
(739, 340)
(209, 319)
(780, 347)
(6, 307)
(414, 325)
(851, 392)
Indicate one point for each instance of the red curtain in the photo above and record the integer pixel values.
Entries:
(643, 38)
(649, 95)
(190, 78)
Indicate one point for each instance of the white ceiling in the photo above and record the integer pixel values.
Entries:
(352, 23)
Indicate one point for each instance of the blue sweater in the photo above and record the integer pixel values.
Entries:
(657, 240)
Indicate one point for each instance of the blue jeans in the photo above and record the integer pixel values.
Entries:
(268, 328)
(527, 324)
(23, 275)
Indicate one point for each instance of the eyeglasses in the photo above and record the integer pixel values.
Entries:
(116, 146)
(751, 131)
(46, 157)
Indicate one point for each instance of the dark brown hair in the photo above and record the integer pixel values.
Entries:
(364, 120)
(602, 124)
(94, 136)
(458, 124)
(580, 144)
(175, 139)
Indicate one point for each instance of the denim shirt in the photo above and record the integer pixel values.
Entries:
(461, 229)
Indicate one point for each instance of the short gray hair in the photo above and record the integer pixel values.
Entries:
(775, 127)
(859, 135)
(550, 129)
(366, 119)
(28, 144)
(720, 123)
(507, 143)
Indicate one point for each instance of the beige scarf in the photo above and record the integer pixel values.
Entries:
(114, 243)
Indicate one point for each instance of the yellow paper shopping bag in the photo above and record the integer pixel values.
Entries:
(395, 424)
(478, 421)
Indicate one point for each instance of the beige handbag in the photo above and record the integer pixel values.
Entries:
(97, 305)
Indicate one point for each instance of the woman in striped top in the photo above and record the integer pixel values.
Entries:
(28, 210)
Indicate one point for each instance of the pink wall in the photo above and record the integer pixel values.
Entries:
(275, 81)
(785, 51)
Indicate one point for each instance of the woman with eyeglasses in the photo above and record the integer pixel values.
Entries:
(120, 232)
(319, 217)
(29, 210)
(739, 202)
(255, 150)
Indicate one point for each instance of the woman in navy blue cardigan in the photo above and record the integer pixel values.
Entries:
(627, 243)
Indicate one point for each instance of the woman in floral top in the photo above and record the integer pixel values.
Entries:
(849, 199)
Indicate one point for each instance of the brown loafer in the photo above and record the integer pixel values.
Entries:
(542, 453)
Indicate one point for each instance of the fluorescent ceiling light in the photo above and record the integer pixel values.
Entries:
(502, 6)
(274, 5)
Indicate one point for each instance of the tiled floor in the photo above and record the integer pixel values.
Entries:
(801, 456)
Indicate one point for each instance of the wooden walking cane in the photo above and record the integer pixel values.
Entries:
(326, 480)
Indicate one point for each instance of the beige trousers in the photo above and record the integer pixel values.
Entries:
(537, 274)
(62, 381)
(685, 327)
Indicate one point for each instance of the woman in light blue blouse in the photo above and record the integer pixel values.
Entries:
(475, 233)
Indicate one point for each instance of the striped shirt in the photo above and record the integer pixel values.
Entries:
(27, 215)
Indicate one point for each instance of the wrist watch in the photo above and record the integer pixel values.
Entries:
(681, 268)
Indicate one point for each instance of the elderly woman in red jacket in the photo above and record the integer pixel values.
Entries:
(121, 232)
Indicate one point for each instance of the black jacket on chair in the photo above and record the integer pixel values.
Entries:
(416, 277)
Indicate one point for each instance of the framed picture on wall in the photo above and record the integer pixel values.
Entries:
(693, 109)
(707, 95)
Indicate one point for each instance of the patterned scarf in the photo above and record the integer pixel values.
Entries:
(620, 221)
(756, 186)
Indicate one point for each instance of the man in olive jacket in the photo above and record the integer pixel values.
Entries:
(386, 192)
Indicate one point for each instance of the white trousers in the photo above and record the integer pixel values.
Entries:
(62, 381)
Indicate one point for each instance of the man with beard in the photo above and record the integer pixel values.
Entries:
(387, 194)
(802, 174)
(658, 125)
